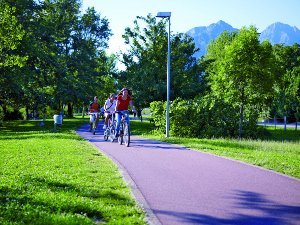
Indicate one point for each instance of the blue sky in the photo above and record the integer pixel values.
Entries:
(187, 14)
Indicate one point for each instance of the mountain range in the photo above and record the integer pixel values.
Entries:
(276, 33)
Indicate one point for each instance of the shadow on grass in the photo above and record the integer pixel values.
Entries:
(251, 209)
(42, 201)
(279, 134)
(213, 144)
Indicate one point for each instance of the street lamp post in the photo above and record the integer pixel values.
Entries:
(167, 15)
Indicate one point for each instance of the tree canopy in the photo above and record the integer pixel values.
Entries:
(146, 62)
(52, 54)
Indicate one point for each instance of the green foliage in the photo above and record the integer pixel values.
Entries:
(11, 34)
(203, 117)
(184, 117)
(158, 114)
(241, 71)
(146, 62)
(286, 101)
(64, 50)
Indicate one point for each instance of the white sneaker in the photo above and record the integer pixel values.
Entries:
(104, 127)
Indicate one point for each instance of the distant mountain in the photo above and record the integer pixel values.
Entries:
(276, 33)
(203, 35)
(281, 33)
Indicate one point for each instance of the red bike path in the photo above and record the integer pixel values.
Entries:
(179, 186)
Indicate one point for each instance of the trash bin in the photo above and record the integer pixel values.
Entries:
(57, 121)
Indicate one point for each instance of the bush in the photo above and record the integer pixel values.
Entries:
(158, 111)
(13, 114)
(185, 119)
(204, 118)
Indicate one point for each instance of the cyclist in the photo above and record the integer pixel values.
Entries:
(109, 109)
(124, 99)
(94, 108)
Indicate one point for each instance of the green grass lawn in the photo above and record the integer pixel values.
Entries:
(278, 150)
(51, 177)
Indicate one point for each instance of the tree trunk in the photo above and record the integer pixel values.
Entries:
(241, 120)
(242, 88)
(27, 112)
(284, 119)
(70, 110)
(83, 111)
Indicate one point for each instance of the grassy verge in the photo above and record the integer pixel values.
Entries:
(51, 177)
(273, 152)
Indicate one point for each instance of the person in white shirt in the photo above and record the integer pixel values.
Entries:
(109, 109)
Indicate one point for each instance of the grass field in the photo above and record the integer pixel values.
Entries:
(277, 150)
(51, 177)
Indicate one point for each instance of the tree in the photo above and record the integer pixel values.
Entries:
(146, 61)
(287, 81)
(242, 73)
(11, 35)
(63, 54)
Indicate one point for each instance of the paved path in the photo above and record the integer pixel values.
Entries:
(178, 186)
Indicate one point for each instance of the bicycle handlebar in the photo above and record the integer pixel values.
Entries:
(122, 112)
(94, 113)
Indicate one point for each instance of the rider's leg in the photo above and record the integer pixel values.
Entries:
(106, 119)
(118, 118)
(97, 120)
(91, 123)
(106, 116)
(128, 121)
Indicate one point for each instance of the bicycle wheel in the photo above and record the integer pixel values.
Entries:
(126, 135)
(106, 134)
(120, 138)
(112, 133)
(94, 127)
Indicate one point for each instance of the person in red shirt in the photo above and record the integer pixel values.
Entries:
(124, 100)
(94, 108)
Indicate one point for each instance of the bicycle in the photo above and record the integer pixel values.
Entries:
(110, 129)
(124, 134)
(93, 119)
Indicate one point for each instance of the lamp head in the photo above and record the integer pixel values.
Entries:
(164, 14)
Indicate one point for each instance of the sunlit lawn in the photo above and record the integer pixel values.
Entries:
(51, 177)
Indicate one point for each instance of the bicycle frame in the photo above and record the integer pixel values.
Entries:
(124, 128)
(110, 129)
(93, 119)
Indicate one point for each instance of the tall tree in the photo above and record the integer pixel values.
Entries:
(243, 73)
(146, 61)
(287, 81)
(63, 49)
(11, 35)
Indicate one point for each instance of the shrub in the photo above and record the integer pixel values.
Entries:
(158, 112)
(204, 117)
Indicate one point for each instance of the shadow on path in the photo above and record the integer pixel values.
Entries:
(135, 142)
(267, 212)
